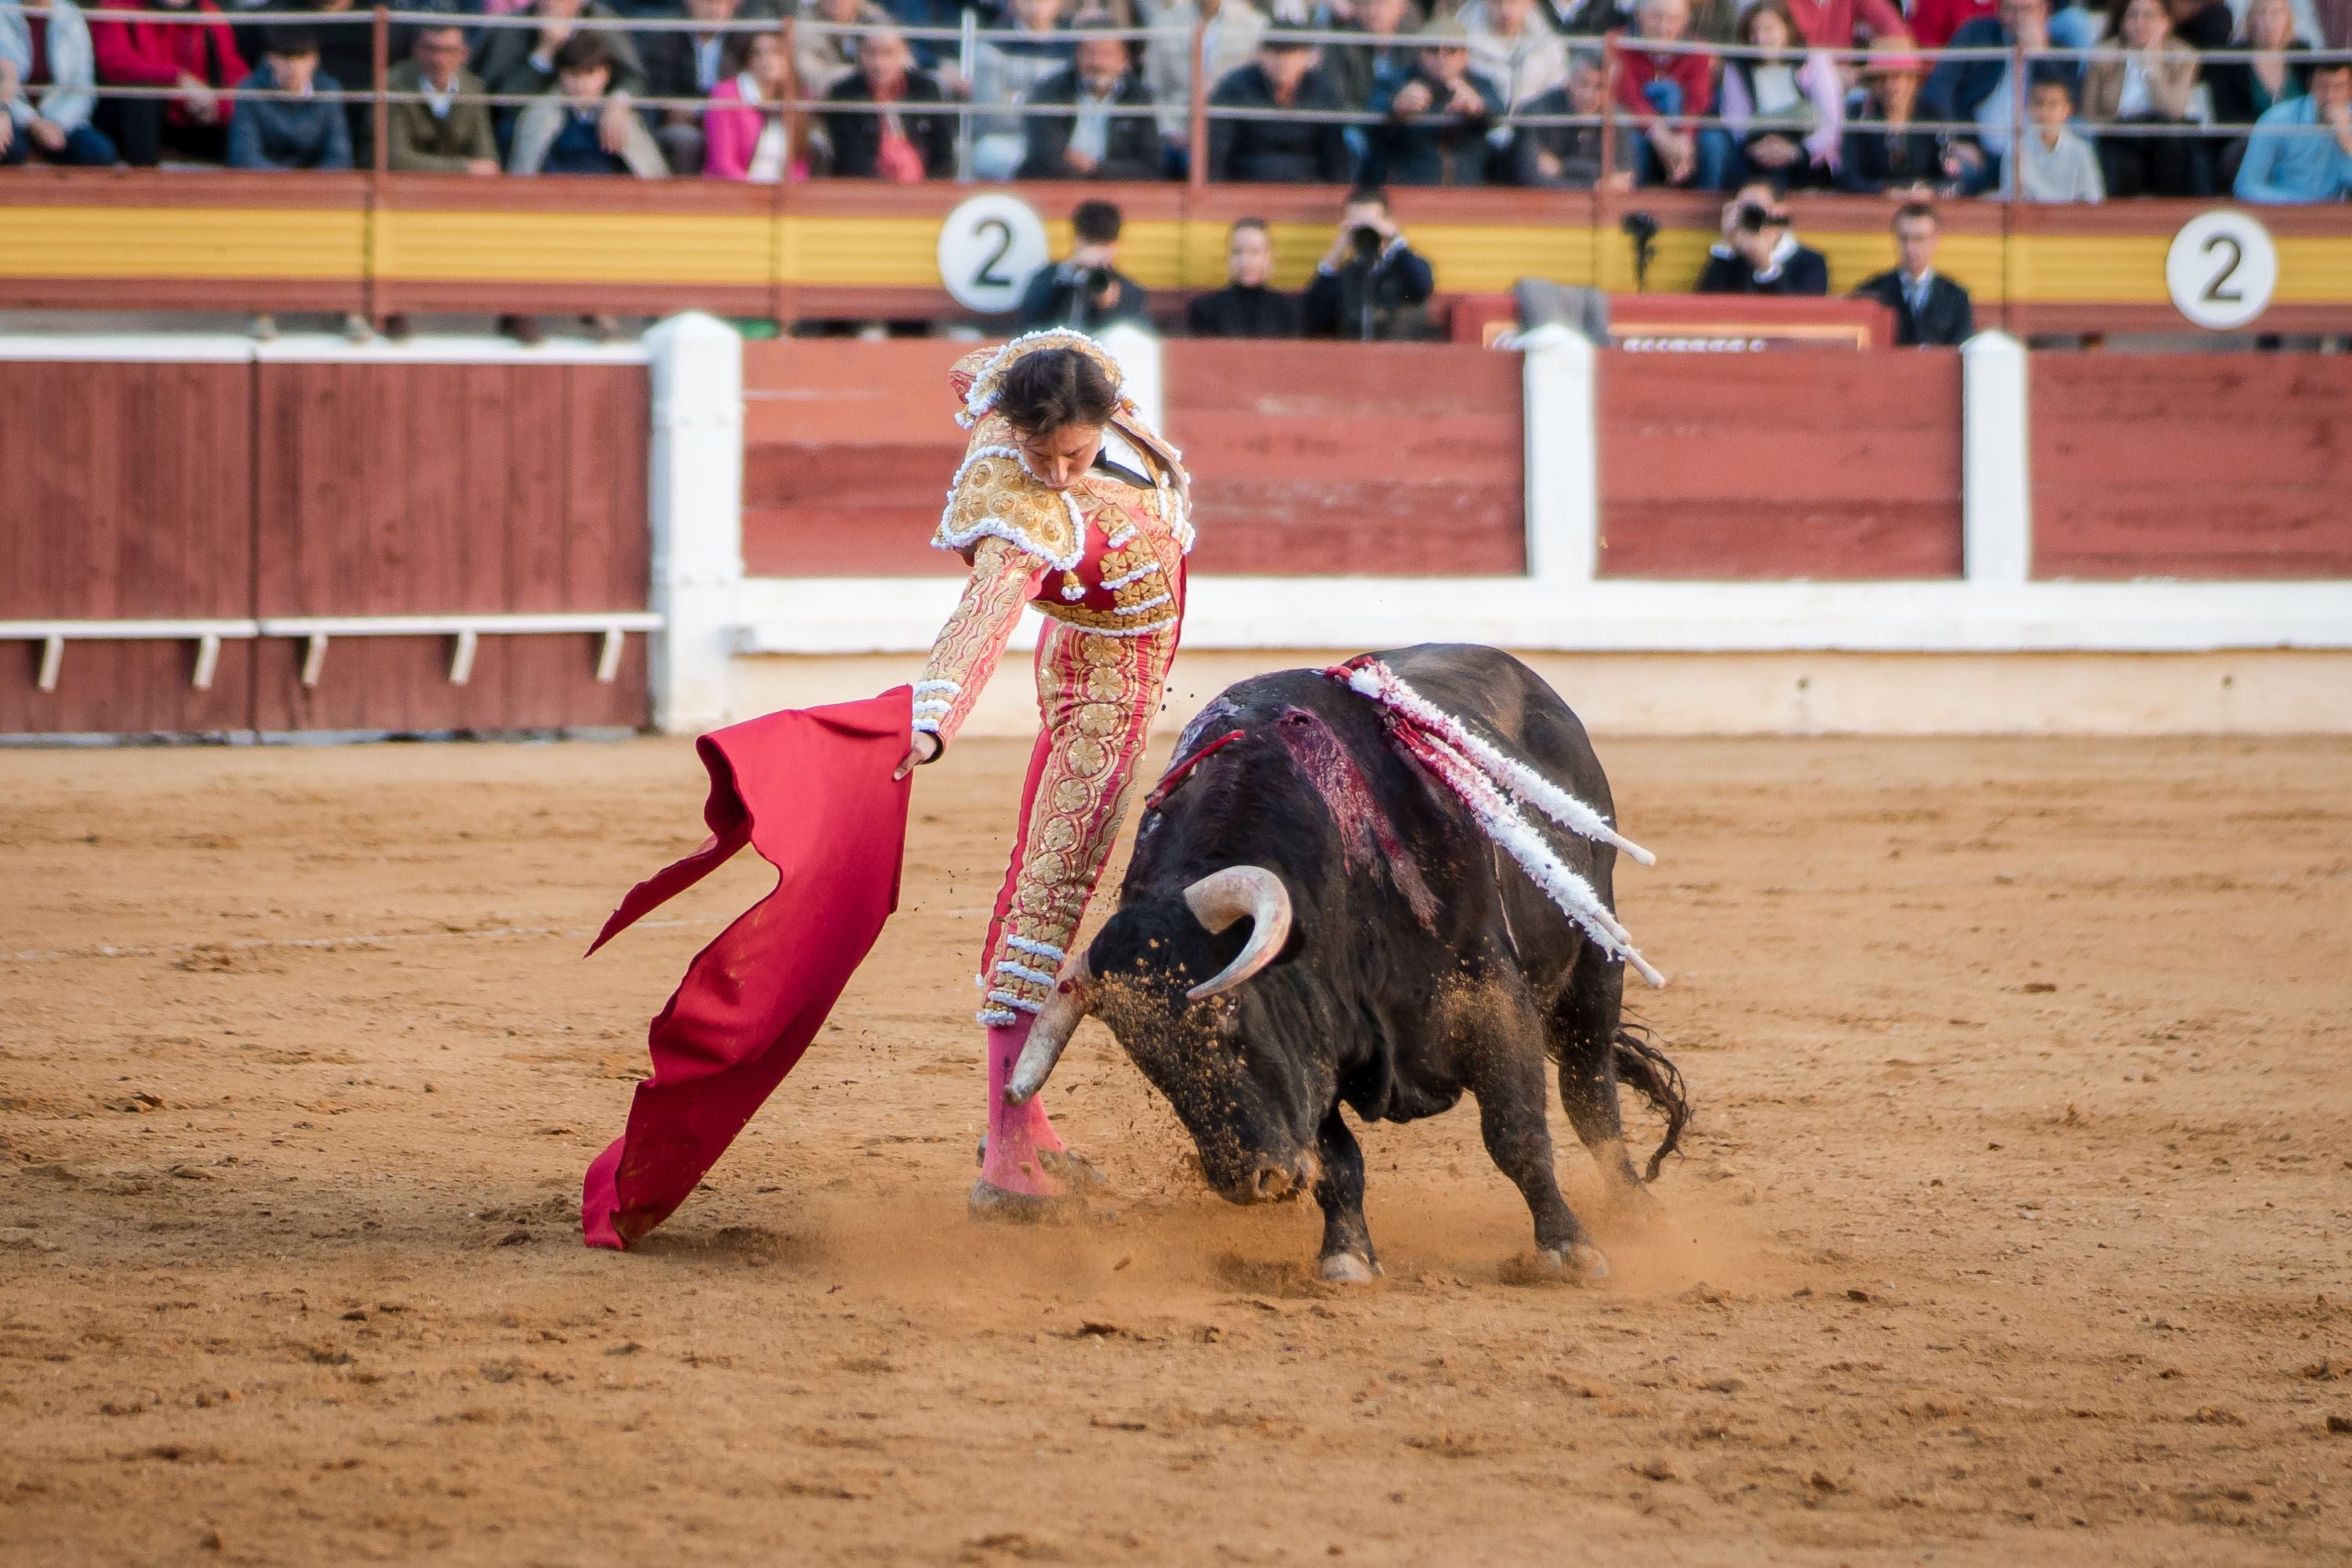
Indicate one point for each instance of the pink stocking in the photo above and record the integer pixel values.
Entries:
(1016, 1133)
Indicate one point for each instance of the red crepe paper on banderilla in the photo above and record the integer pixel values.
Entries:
(810, 790)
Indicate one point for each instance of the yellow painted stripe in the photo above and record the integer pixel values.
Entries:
(751, 249)
(2314, 270)
(575, 247)
(182, 242)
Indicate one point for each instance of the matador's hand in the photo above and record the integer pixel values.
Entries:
(916, 754)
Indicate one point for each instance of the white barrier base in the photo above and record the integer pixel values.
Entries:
(2266, 691)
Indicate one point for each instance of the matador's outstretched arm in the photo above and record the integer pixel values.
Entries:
(1003, 579)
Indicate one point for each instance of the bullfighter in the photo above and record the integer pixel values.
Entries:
(1068, 499)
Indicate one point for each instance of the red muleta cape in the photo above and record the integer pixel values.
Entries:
(810, 790)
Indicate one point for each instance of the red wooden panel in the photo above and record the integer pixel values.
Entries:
(441, 488)
(124, 689)
(402, 685)
(129, 497)
(1764, 466)
(849, 447)
(2224, 466)
(1389, 459)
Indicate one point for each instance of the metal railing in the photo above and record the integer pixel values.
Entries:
(1613, 122)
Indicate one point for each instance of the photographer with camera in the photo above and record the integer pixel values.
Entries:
(1086, 290)
(1370, 286)
(1757, 253)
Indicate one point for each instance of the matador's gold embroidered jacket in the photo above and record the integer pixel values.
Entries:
(1104, 562)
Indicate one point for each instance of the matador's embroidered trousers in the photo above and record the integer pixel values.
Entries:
(1097, 696)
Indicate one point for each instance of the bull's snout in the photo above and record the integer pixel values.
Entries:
(1270, 1181)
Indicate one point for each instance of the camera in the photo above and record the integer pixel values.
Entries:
(1752, 218)
(1097, 279)
(1366, 242)
(1641, 228)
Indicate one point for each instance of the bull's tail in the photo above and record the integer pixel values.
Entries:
(1641, 1064)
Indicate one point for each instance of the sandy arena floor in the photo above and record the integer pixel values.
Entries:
(2015, 1228)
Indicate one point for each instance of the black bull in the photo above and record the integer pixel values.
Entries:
(1389, 956)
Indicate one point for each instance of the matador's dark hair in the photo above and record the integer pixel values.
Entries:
(1054, 388)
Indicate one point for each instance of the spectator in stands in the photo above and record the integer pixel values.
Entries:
(1387, 27)
(50, 54)
(899, 130)
(446, 133)
(197, 58)
(2056, 165)
(1370, 286)
(1228, 43)
(564, 132)
(1439, 112)
(1845, 24)
(2199, 23)
(1784, 107)
(1930, 310)
(1110, 132)
(1516, 48)
(1277, 149)
(2242, 91)
(1932, 22)
(2302, 149)
(822, 60)
(755, 131)
(690, 64)
(346, 53)
(1004, 73)
(1664, 92)
(1086, 290)
(521, 62)
(1591, 18)
(1892, 156)
(301, 130)
(1569, 156)
(1979, 90)
(1758, 253)
(1244, 307)
(2141, 90)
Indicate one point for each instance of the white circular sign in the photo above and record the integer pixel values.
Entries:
(988, 247)
(2221, 269)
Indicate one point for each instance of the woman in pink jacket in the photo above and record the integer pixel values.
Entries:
(756, 130)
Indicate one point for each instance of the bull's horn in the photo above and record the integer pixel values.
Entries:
(1220, 898)
(1058, 1020)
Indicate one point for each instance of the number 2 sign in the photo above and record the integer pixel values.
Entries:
(988, 247)
(2222, 269)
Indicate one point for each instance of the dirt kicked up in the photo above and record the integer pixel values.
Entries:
(2016, 1228)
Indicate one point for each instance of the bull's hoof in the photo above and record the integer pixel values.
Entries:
(1350, 1269)
(1582, 1264)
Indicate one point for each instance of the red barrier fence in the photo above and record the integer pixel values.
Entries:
(129, 498)
(2231, 465)
(316, 498)
(1313, 458)
(1762, 466)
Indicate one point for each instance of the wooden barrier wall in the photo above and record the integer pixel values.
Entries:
(1313, 458)
(242, 490)
(440, 489)
(1817, 464)
(2219, 466)
(129, 496)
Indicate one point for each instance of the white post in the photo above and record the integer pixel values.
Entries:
(698, 517)
(1139, 355)
(1563, 468)
(1996, 469)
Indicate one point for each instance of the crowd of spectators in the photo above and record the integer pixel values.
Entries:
(1829, 94)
